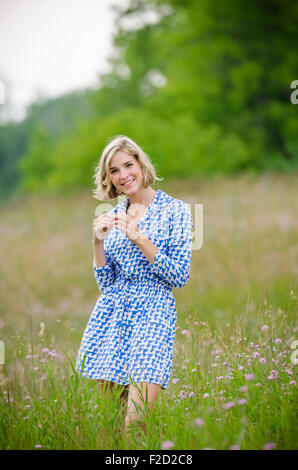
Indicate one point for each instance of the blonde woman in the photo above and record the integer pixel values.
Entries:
(142, 249)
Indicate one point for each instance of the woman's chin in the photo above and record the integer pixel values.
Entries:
(129, 190)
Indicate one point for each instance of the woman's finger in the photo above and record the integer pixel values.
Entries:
(103, 225)
(104, 218)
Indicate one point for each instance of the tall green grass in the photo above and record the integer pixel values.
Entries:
(233, 382)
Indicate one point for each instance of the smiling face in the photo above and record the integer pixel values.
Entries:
(124, 168)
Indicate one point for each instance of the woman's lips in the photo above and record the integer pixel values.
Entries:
(128, 184)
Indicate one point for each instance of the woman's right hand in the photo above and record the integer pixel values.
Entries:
(101, 226)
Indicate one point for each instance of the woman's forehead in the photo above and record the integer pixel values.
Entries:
(120, 158)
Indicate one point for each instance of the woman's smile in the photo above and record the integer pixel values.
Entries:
(128, 183)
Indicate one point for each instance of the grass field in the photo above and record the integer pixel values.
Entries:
(234, 377)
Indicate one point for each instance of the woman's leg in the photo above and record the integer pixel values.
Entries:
(138, 395)
(105, 387)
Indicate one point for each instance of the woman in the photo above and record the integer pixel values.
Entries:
(142, 249)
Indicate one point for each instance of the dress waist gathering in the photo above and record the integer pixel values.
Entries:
(140, 280)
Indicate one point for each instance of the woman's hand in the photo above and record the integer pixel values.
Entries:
(101, 227)
(128, 225)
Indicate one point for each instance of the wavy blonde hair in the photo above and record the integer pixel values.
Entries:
(105, 190)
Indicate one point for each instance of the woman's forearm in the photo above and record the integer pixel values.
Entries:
(147, 247)
(99, 254)
(144, 243)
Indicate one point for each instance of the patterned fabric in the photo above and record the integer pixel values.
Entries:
(131, 331)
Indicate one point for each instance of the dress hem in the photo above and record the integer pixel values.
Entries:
(124, 382)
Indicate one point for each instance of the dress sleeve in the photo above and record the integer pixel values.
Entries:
(172, 263)
(104, 275)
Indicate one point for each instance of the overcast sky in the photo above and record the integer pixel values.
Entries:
(49, 47)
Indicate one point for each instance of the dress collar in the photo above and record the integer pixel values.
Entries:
(160, 202)
(148, 208)
(123, 206)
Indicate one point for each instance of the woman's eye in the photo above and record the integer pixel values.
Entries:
(129, 164)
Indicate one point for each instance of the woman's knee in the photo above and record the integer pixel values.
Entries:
(142, 395)
(105, 386)
(147, 391)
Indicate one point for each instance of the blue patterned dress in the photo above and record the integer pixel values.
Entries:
(130, 334)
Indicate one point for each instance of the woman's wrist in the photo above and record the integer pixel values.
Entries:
(138, 240)
(147, 247)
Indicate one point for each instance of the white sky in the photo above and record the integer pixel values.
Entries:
(50, 47)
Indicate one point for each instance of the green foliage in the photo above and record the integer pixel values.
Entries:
(35, 165)
(54, 117)
(205, 90)
(13, 138)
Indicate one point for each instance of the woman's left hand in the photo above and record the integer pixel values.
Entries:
(128, 225)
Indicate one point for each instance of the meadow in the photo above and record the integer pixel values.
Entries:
(234, 376)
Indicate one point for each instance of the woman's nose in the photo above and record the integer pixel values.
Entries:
(123, 174)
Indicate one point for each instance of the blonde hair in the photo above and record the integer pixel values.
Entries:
(105, 189)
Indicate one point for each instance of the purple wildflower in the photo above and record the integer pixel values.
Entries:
(186, 333)
(166, 445)
(249, 376)
(269, 446)
(228, 405)
(242, 401)
(199, 422)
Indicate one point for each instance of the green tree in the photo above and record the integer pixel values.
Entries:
(36, 163)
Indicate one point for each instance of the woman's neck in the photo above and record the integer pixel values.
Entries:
(143, 196)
